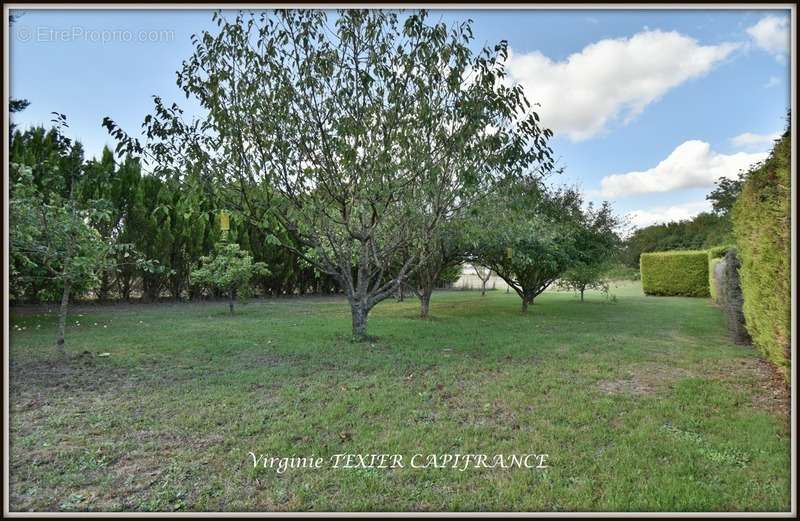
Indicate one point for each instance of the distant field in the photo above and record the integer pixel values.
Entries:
(641, 404)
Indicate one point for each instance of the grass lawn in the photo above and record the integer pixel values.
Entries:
(641, 405)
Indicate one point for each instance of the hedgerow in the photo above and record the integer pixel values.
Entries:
(712, 278)
(717, 252)
(715, 255)
(762, 227)
(681, 273)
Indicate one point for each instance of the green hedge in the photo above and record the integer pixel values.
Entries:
(762, 227)
(715, 255)
(683, 273)
(717, 252)
(712, 281)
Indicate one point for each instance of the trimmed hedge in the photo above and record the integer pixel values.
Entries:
(681, 273)
(717, 252)
(715, 255)
(712, 279)
(762, 227)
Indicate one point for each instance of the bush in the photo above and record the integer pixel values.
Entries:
(762, 227)
(730, 295)
(682, 273)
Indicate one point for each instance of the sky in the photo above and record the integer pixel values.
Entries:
(648, 107)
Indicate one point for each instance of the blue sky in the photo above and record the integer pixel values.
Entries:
(648, 107)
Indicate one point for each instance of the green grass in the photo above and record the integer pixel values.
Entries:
(641, 405)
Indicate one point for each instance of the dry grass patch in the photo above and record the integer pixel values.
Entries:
(644, 379)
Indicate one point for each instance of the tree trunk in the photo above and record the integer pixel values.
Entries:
(582, 289)
(525, 302)
(230, 299)
(125, 289)
(483, 288)
(62, 318)
(359, 313)
(425, 302)
(402, 293)
(151, 289)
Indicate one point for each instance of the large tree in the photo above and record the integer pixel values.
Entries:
(358, 137)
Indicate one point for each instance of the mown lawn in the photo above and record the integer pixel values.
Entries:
(641, 405)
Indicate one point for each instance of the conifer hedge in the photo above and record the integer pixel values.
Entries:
(712, 279)
(762, 227)
(715, 255)
(678, 273)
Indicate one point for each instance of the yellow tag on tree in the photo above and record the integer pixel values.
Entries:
(509, 252)
(224, 221)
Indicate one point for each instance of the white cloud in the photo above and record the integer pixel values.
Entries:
(772, 82)
(771, 33)
(611, 78)
(691, 164)
(665, 214)
(748, 139)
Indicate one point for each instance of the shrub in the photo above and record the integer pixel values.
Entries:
(762, 227)
(682, 273)
(729, 295)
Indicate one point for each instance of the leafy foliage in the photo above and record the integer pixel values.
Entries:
(528, 235)
(50, 239)
(348, 143)
(597, 244)
(725, 193)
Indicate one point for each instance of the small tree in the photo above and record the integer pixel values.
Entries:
(229, 268)
(51, 237)
(527, 236)
(53, 234)
(596, 242)
(583, 277)
(49, 234)
(483, 274)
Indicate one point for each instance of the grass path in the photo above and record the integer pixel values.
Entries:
(643, 404)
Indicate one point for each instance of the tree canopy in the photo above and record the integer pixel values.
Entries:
(359, 138)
